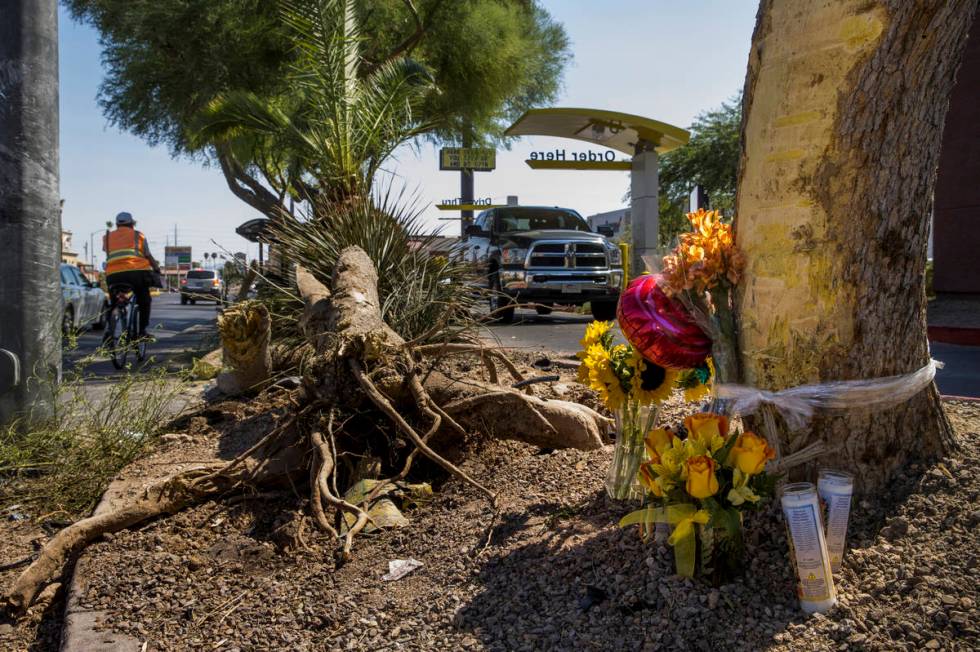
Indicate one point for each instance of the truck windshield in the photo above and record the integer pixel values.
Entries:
(509, 220)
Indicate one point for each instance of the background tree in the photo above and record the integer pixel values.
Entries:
(167, 59)
(709, 159)
(337, 125)
(844, 117)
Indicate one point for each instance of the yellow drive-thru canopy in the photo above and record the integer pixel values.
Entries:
(619, 131)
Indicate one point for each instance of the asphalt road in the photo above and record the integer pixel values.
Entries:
(561, 331)
(178, 330)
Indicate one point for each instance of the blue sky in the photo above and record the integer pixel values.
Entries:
(664, 59)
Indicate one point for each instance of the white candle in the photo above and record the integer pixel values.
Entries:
(835, 489)
(801, 508)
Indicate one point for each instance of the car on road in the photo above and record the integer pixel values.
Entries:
(83, 303)
(200, 284)
(543, 255)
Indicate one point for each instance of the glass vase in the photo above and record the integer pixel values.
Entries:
(720, 554)
(632, 423)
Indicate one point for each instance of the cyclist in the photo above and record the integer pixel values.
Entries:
(129, 262)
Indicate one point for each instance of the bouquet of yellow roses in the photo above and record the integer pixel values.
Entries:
(699, 485)
(632, 388)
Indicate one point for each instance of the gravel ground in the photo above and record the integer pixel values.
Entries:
(557, 572)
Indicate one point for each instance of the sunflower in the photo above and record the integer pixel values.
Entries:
(597, 368)
(595, 333)
(651, 383)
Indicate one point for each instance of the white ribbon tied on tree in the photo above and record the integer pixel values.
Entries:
(797, 404)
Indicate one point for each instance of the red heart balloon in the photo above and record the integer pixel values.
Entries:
(660, 328)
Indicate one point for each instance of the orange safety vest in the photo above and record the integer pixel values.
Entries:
(125, 248)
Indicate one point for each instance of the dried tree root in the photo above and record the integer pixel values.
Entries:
(324, 492)
(345, 328)
(385, 406)
(484, 352)
(166, 497)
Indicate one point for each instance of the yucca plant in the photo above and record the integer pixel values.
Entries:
(338, 123)
(422, 296)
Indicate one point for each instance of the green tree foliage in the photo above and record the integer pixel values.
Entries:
(337, 124)
(710, 160)
(166, 60)
(491, 59)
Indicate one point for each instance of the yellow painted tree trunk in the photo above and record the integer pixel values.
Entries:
(844, 108)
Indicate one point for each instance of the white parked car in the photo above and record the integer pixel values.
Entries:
(83, 302)
(200, 284)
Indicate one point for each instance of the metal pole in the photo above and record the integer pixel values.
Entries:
(465, 191)
(465, 197)
(30, 221)
(644, 205)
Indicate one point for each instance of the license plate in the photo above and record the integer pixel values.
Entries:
(571, 288)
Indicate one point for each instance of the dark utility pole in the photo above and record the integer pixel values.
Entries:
(465, 189)
(30, 221)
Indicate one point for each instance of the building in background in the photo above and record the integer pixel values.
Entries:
(176, 263)
(435, 245)
(68, 255)
(617, 220)
(955, 234)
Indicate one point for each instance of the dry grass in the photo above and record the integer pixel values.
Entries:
(64, 462)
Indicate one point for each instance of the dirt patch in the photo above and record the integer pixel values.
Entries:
(557, 573)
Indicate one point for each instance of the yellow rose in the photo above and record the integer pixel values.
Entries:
(750, 453)
(701, 480)
(707, 428)
(648, 478)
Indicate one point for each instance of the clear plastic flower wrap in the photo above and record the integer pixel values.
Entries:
(797, 404)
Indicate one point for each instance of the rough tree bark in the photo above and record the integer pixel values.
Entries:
(843, 115)
(246, 330)
(360, 365)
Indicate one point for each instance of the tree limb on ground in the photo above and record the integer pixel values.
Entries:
(361, 366)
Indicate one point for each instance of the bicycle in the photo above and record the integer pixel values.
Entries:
(122, 326)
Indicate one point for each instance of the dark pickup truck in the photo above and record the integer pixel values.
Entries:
(543, 255)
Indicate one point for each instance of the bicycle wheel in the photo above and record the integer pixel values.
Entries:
(117, 337)
(134, 333)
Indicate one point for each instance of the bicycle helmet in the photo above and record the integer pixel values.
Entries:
(125, 219)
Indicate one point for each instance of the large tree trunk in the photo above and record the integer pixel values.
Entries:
(843, 117)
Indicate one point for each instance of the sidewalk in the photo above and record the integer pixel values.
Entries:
(954, 319)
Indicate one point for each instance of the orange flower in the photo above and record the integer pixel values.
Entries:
(707, 428)
(648, 478)
(705, 256)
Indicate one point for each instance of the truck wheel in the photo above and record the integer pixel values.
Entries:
(604, 310)
(501, 306)
(543, 310)
(183, 300)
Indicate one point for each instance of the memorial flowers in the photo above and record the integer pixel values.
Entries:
(699, 483)
(630, 387)
(700, 273)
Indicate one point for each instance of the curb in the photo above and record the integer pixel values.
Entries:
(79, 631)
(955, 335)
(80, 627)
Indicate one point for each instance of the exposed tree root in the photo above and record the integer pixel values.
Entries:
(362, 369)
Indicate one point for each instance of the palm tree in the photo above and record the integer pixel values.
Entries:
(337, 123)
